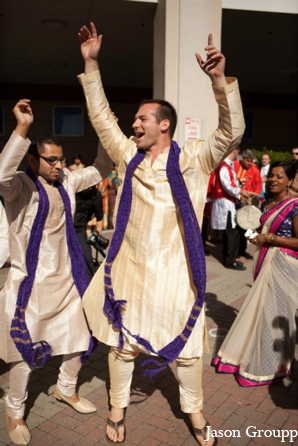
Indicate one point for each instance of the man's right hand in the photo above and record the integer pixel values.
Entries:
(90, 47)
(245, 193)
(24, 116)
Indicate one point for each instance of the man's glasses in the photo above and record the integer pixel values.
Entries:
(295, 153)
(53, 160)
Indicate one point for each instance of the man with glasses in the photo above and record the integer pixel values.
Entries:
(41, 314)
(295, 153)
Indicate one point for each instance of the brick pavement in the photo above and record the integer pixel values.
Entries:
(154, 417)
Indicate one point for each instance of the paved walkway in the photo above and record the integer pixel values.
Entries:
(154, 417)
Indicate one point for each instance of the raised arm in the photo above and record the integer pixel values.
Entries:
(231, 120)
(112, 138)
(15, 150)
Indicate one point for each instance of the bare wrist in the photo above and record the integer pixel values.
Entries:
(219, 81)
(91, 65)
(22, 130)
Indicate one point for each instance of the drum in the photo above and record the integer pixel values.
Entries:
(248, 216)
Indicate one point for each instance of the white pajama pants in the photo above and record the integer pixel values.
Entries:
(19, 378)
(189, 373)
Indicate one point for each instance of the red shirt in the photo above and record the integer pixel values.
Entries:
(253, 180)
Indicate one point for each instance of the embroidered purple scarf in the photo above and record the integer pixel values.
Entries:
(112, 306)
(282, 209)
(37, 353)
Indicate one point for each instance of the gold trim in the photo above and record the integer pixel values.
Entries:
(21, 341)
(197, 307)
(18, 329)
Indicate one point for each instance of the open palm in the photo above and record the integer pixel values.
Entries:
(90, 42)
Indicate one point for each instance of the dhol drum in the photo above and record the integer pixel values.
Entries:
(248, 216)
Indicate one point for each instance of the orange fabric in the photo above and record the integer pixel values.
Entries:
(252, 176)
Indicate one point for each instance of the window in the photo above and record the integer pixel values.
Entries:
(68, 121)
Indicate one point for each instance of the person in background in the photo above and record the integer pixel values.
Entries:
(256, 162)
(260, 346)
(113, 187)
(77, 163)
(265, 163)
(225, 193)
(88, 206)
(295, 153)
(251, 181)
(64, 164)
(293, 190)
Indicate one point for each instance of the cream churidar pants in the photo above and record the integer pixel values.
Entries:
(189, 373)
(19, 378)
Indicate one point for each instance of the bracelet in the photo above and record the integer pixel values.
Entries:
(271, 239)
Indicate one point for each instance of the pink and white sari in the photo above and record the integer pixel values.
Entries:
(259, 348)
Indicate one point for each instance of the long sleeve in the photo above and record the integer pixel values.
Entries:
(88, 176)
(226, 182)
(10, 158)
(230, 130)
(112, 138)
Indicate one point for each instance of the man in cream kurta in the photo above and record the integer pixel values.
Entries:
(54, 312)
(151, 271)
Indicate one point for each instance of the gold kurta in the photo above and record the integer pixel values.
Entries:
(54, 312)
(151, 271)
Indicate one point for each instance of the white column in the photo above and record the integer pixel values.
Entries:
(181, 29)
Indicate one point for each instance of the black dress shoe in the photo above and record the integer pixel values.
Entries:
(236, 266)
(246, 255)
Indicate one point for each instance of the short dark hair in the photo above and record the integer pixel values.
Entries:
(295, 164)
(164, 111)
(77, 156)
(288, 167)
(38, 142)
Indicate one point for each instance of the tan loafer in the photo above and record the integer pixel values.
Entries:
(21, 434)
(82, 406)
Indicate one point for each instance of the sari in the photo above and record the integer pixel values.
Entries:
(260, 346)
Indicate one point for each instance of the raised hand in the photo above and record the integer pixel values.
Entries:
(90, 43)
(214, 65)
(24, 116)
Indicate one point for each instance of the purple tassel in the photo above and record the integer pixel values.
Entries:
(37, 353)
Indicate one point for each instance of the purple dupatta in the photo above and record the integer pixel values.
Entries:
(113, 307)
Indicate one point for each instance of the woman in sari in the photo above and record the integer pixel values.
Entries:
(259, 348)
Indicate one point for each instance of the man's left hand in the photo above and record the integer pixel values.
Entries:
(214, 65)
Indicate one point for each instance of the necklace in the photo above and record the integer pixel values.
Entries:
(277, 202)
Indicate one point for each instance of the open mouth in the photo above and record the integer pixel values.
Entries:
(139, 135)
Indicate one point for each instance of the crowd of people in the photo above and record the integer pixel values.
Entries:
(55, 303)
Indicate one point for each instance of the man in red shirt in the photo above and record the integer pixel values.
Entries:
(250, 179)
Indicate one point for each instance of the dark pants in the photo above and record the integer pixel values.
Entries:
(204, 231)
(91, 268)
(230, 242)
(242, 241)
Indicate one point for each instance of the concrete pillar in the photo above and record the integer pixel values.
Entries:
(181, 29)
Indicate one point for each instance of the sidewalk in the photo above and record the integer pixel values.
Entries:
(154, 417)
